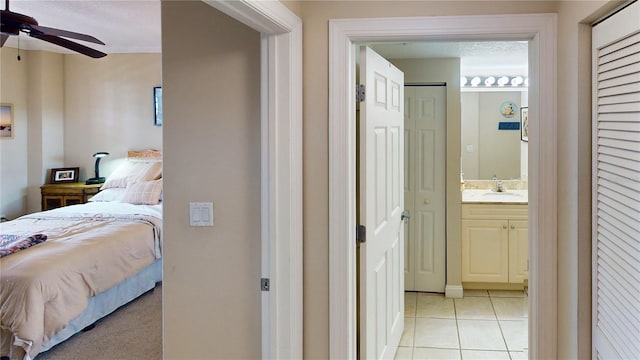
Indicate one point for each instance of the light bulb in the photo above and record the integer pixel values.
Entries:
(489, 81)
(503, 81)
(516, 81)
(475, 81)
(463, 81)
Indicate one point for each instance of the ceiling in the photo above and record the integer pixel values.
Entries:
(476, 57)
(124, 26)
(133, 26)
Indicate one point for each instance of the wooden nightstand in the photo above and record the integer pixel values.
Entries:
(58, 195)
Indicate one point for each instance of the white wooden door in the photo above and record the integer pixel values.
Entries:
(616, 186)
(425, 187)
(381, 177)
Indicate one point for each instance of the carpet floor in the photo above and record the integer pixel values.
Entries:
(133, 332)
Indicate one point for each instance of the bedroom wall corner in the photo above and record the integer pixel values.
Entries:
(45, 111)
(13, 151)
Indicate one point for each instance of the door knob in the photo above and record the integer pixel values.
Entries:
(405, 216)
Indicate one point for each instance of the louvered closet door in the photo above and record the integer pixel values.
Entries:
(616, 177)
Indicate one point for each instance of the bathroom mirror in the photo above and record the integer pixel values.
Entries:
(490, 138)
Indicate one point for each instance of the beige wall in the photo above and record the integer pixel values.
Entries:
(211, 87)
(13, 152)
(109, 107)
(66, 108)
(574, 175)
(46, 120)
(469, 161)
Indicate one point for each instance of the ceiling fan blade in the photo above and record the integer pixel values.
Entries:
(69, 45)
(68, 34)
(3, 39)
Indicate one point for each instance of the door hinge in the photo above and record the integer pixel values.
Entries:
(360, 92)
(264, 284)
(361, 234)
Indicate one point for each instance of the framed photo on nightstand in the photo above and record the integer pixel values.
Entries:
(64, 175)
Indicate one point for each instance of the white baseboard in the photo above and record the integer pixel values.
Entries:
(453, 291)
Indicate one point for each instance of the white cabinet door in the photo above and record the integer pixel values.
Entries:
(425, 192)
(485, 251)
(381, 175)
(518, 251)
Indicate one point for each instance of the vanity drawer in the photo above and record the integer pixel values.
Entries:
(494, 212)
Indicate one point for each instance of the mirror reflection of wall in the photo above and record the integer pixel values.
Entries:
(488, 152)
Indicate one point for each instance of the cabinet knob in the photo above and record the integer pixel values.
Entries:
(504, 226)
(513, 227)
(427, 201)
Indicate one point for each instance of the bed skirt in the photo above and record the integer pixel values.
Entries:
(108, 301)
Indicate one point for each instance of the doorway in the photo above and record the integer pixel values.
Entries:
(539, 30)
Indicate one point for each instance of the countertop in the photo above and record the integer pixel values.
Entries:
(484, 196)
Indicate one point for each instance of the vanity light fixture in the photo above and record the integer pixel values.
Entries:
(475, 81)
(97, 179)
(463, 81)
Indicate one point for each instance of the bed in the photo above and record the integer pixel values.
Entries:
(80, 262)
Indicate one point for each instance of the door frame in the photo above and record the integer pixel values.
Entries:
(281, 170)
(541, 31)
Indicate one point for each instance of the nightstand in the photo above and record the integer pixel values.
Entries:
(58, 195)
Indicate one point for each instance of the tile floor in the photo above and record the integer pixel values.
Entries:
(482, 325)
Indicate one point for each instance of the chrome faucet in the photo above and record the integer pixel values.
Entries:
(499, 186)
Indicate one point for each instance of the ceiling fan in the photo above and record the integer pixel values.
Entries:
(12, 23)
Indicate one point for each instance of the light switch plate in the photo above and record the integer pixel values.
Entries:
(201, 214)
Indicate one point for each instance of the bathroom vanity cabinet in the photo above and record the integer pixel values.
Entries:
(495, 243)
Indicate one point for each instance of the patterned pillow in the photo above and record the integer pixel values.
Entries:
(143, 193)
(131, 172)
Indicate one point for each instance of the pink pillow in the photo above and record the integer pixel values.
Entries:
(143, 193)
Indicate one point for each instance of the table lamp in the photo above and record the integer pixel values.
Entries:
(97, 179)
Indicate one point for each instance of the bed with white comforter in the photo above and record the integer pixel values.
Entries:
(89, 248)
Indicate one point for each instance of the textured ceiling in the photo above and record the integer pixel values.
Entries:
(476, 57)
(127, 26)
(124, 26)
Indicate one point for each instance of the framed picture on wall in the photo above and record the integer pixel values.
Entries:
(64, 175)
(524, 124)
(6, 121)
(157, 106)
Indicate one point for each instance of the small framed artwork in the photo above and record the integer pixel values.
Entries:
(524, 124)
(157, 106)
(64, 175)
(6, 121)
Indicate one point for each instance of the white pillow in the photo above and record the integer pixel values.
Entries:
(143, 193)
(113, 194)
(131, 172)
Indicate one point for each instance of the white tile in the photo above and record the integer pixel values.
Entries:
(480, 335)
(436, 306)
(519, 355)
(407, 334)
(475, 293)
(404, 353)
(474, 308)
(435, 354)
(437, 333)
(516, 334)
(506, 293)
(410, 304)
(510, 308)
(482, 355)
